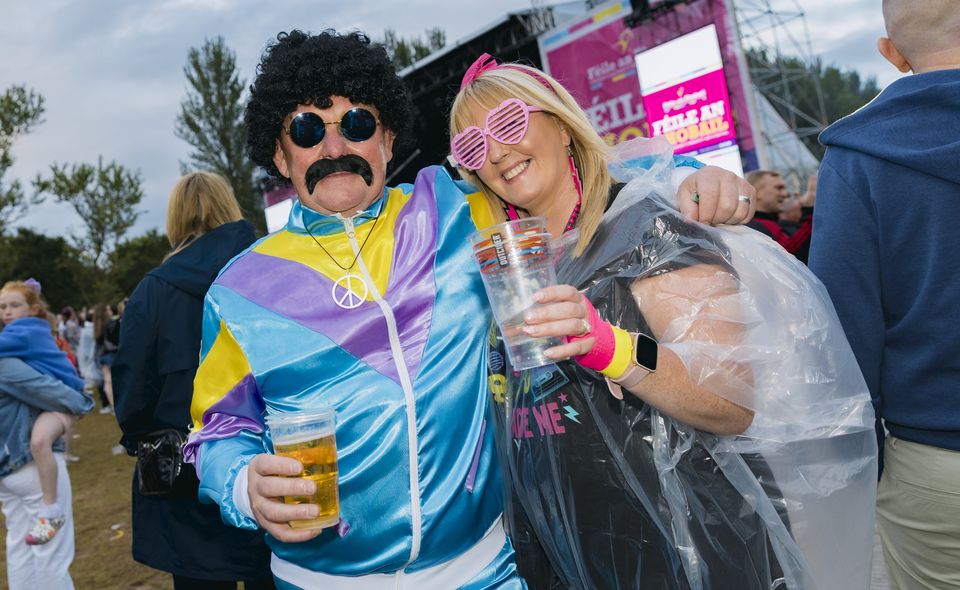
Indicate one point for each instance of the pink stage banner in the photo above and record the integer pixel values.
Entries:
(594, 59)
(692, 114)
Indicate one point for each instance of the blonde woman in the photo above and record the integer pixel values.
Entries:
(704, 390)
(153, 384)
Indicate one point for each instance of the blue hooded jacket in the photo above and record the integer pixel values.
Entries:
(30, 339)
(886, 233)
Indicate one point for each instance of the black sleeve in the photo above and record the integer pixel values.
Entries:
(136, 384)
(760, 227)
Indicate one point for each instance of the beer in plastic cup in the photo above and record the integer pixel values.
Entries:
(309, 437)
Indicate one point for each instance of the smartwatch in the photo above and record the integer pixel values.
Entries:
(643, 361)
(645, 352)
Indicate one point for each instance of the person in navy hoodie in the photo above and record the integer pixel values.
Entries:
(153, 384)
(885, 243)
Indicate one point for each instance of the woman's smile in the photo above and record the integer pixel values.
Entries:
(516, 170)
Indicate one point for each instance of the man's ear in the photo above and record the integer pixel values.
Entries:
(890, 53)
(388, 137)
(280, 161)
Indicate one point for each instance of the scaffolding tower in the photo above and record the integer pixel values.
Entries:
(779, 28)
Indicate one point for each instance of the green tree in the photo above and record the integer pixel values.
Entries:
(843, 91)
(104, 196)
(436, 39)
(405, 52)
(50, 260)
(134, 258)
(211, 121)
(20, 110)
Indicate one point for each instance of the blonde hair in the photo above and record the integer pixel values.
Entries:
(199, 202)
(591, 154)
(30, 295)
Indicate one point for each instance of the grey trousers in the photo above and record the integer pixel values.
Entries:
(918, 515)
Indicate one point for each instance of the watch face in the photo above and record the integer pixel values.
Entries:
(646, 352)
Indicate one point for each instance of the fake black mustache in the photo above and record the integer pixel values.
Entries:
(349, 163)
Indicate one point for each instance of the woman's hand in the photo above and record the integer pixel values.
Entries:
(266, 487)
(721, 197)
(561, 312)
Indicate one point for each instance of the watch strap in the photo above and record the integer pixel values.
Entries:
(632, 376)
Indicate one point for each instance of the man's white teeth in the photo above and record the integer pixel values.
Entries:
(516, 170)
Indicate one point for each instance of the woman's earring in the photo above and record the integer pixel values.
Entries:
(574, 172)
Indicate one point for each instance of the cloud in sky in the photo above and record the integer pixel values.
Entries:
(111, 71)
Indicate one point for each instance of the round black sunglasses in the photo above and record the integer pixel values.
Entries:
(308, 129)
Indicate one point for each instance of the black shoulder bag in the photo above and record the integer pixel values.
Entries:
(160, 462)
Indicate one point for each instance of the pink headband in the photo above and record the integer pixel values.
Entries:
(486, 62)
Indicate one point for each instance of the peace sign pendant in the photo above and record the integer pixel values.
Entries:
(350, 291)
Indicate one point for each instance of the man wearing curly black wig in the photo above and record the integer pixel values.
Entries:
(361, 303)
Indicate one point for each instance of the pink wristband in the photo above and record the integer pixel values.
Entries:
(605, 343)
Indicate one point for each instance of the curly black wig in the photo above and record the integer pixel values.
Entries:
(300, 68)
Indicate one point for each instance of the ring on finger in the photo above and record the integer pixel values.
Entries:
(744, 199)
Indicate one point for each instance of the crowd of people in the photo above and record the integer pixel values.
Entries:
(90, 337)
(712, 414)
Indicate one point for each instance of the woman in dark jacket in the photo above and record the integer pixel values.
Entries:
(153, 383)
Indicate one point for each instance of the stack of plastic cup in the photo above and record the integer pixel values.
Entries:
(515, 262)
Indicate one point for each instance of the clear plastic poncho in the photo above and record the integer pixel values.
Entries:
(606, 493)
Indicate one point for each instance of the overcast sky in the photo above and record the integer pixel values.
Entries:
(111, 71)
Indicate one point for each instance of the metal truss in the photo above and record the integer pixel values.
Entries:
(779, 28)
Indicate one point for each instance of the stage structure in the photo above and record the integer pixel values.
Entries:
(779, 28)
(670, 68)
(434, 80)
(595, 48)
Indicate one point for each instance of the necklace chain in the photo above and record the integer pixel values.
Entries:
(359, 250)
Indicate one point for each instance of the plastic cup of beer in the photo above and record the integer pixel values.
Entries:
(310, 437)
(516, 261)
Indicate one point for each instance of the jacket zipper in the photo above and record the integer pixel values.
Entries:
(405, 383)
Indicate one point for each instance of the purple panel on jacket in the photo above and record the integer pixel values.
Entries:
(303, 295)
(240, 409)
(411, 290)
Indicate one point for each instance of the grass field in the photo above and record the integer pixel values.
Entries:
(101, 507)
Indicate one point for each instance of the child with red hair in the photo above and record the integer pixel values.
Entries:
(27, 336)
